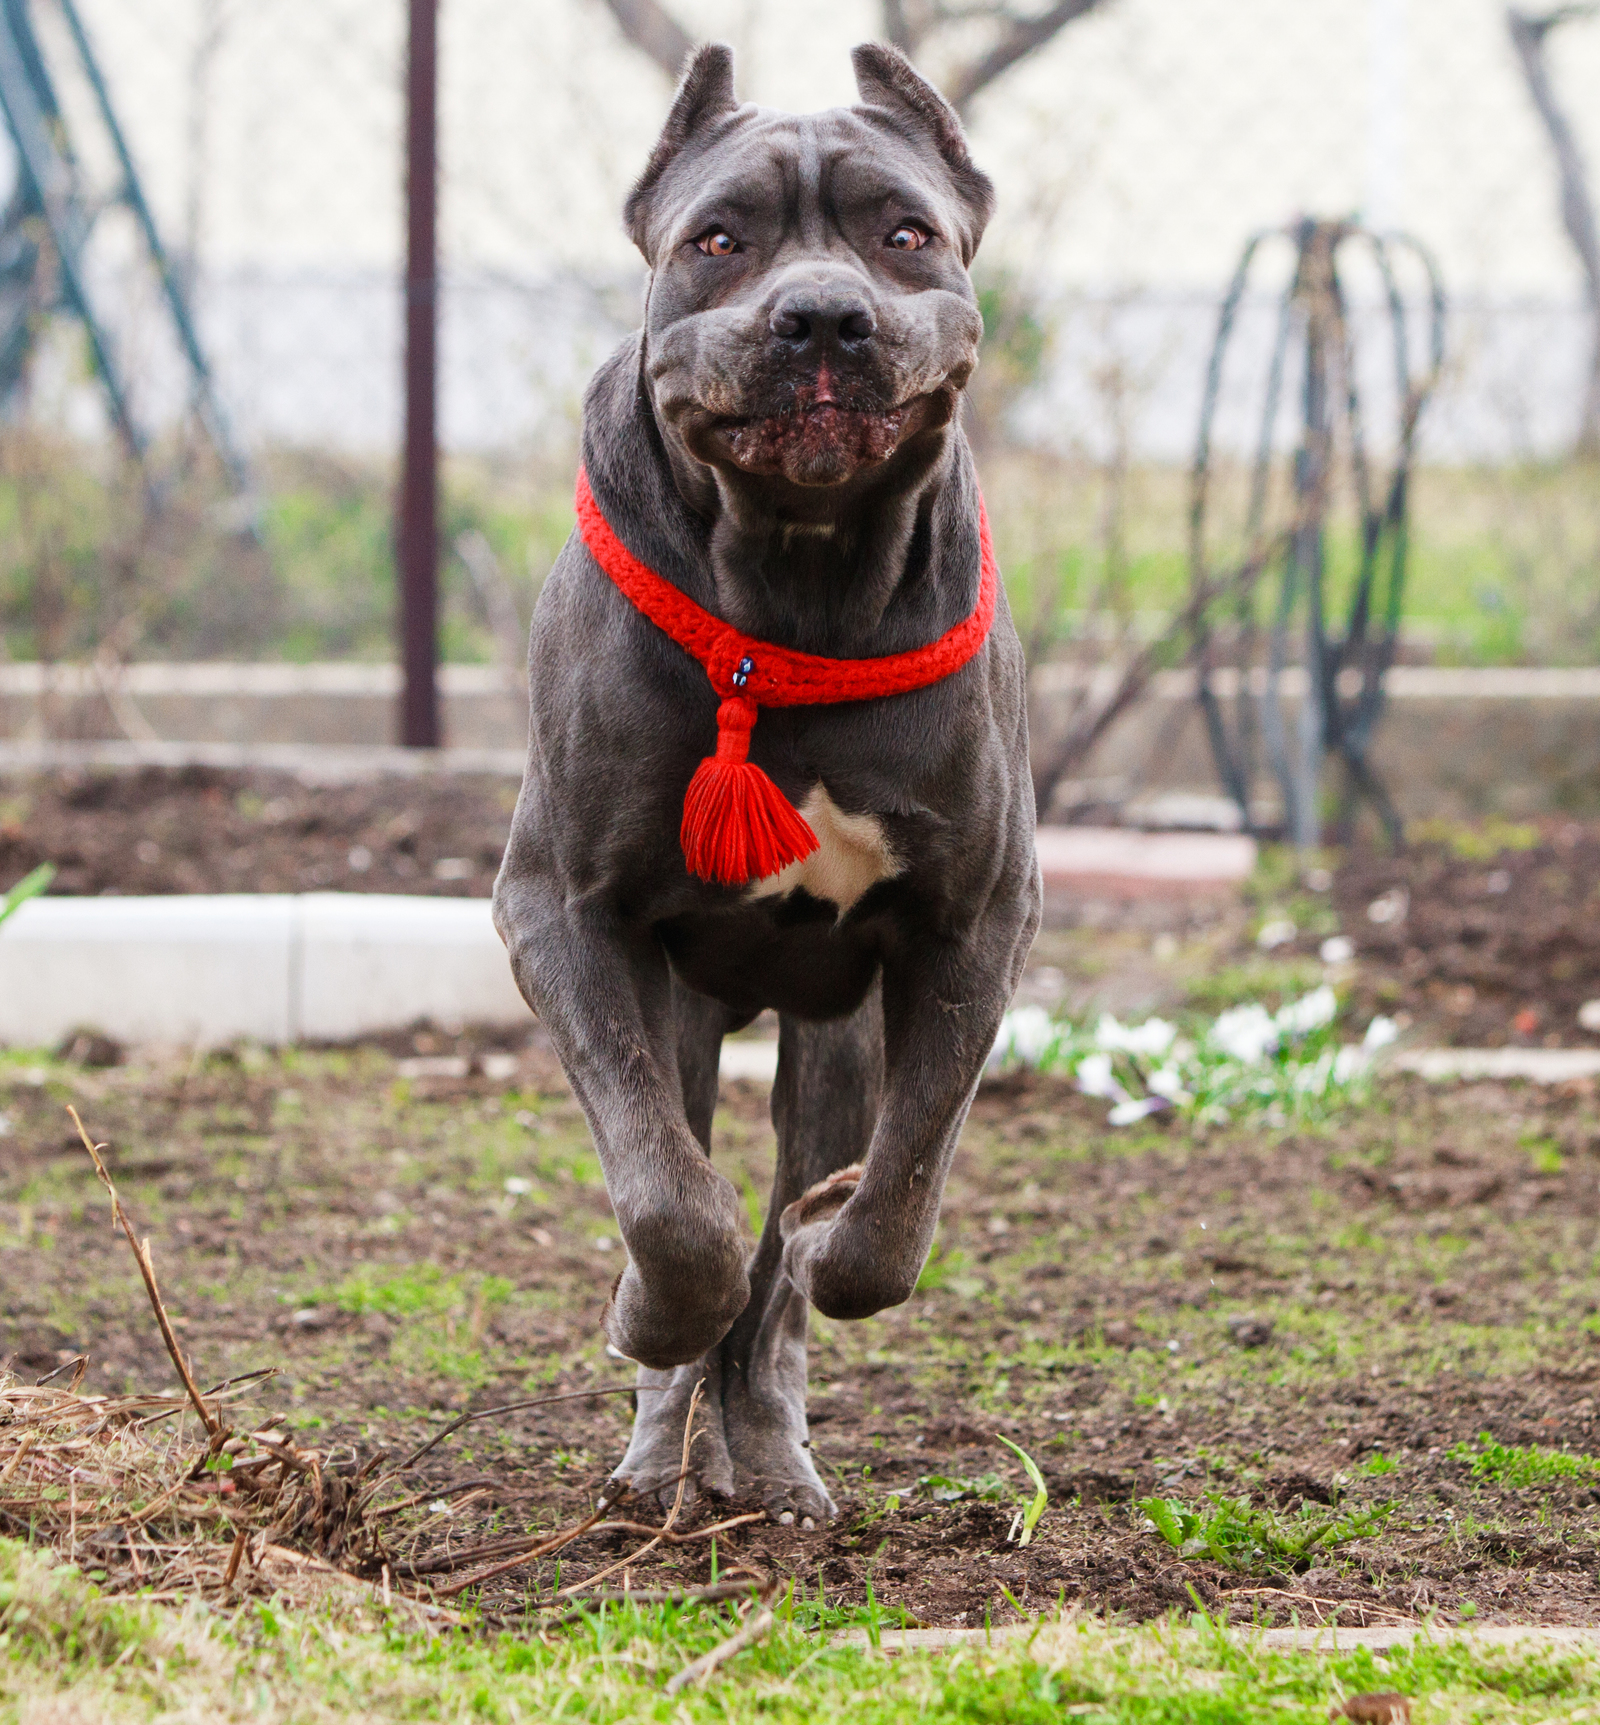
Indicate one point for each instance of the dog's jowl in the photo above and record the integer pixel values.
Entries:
(778, 754)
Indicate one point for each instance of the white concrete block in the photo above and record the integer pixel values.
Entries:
(211, 968)
(202, 969)
(378, 961)
(756, 1061)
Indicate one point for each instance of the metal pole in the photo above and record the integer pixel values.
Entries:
(418, 535)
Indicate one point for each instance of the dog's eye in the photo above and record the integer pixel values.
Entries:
(718, 244)
(908, 237)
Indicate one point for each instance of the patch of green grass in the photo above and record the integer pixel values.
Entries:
(444, 1316)
(1240, 1535)
(411, 1291)
(1518, 1465)
(1478, 841)
(948, 1269)
(71, 1653)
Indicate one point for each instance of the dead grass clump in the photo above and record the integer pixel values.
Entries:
(159, 1494)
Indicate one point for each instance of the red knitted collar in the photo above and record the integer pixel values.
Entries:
(737, 825)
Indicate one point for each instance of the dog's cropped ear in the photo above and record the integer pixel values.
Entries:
(705, 94)
(887, 80)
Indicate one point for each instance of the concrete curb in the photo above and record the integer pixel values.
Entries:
(271, 967)
(313, 763)
(1332, 1639)
(1536, 1065)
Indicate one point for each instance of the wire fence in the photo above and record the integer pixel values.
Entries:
(1135, 154)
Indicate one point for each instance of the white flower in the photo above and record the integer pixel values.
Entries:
(1095, 1078)
(1125, 1113)
(1311, 1076)
(1390, 907)
(1337, 949)
(1167, 1081)
(1380, 1033)
(1245, 1033)
(1278, 932)
(1152, 1038)
(517, 1187)
(1028, 1034)
(1349, 1063)
(1310, 1012)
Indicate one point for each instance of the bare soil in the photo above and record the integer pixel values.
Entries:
(197, 829)
(1491, 949)
(1304, 1318)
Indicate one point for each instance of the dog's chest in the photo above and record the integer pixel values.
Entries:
(853, 854)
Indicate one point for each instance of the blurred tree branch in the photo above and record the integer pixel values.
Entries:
(653, 30)
(911, 25)
(1528, 33)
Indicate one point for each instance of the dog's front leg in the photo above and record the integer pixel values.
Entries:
(856, 1242)
(603, 991)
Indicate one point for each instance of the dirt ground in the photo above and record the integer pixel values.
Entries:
(196, 829)
(1308, 1320)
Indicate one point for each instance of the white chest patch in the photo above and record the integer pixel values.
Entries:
(852, 855)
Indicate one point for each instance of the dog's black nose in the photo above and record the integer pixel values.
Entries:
(827, 319)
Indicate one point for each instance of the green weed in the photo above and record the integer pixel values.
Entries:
(1240, 1536)
(956, 1488)
(1523, 1465)
(30, 886)
(1027, 1519)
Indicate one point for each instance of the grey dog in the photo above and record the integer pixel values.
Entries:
(781, 441)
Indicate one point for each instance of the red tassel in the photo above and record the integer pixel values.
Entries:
(737, 825)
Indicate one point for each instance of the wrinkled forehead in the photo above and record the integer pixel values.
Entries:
(760, 161)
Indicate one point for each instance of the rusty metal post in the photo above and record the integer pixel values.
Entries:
(417, 536)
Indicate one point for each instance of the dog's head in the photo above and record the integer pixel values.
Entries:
(810, 316)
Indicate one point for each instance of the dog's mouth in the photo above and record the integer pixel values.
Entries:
(824, 430)
(814, 442)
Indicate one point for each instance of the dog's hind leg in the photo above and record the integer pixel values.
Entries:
(824, 1104)
(654, 1457)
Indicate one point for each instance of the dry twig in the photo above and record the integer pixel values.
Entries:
(147, 1270)
(700, 1670)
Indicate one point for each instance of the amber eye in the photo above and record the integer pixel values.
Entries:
(908, 238)
(718, 244)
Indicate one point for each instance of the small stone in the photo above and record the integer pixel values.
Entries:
(1386, 1709)
(808, 1523)
(786, 1519)
(1250, 1332)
